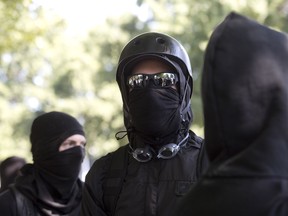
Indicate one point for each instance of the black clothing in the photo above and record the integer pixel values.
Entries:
(9, 170)
(155, 118)
(245, 97)
(60, 170)
(155, 114)
(183, 101)
(51, 183)
(35, 191)
(49, 130)
(151, 188)
(8, 205)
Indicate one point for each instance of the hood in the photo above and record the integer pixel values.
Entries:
(245, 98)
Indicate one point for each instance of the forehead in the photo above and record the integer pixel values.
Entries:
(76, 137)
(151, 66)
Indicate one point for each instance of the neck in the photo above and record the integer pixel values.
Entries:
(141, 140)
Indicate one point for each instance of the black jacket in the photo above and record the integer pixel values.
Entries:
(14, 202)
(245, 97)
(148, 189)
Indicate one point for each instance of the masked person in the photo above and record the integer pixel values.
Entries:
(49, 186)
(163, 158)
(245, 98)
(9, 170)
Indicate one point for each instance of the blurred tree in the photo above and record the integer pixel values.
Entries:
(24, 30)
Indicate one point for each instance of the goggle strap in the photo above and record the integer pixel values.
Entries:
(118, 136)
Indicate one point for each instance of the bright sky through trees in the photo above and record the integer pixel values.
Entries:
(81, 15)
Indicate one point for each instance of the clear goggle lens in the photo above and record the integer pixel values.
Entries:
(163, 79)
(168, 151)
(142, 155)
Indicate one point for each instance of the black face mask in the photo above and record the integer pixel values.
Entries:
(64, 165)
(61, 169)
(155, 111)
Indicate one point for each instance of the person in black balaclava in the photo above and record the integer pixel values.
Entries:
(245, 98)
(49, 186)
(164, 158)
(9, 170)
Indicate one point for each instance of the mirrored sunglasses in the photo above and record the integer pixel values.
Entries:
(163, 79)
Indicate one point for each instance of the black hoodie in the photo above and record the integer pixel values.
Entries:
(245, 97)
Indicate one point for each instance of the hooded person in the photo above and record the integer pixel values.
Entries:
(49, 186)
(163, 158)
(245, 98)
(9, 170)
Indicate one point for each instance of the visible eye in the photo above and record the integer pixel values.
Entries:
(69, 144)
(83, 144)
(73, 141)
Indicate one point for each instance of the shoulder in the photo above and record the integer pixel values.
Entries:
(7, 203)
(203, 158)
(7, 196)
(102, 165)
(196, 140)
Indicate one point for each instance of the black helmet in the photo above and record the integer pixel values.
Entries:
(157, 44)
(160, 46)
(154, 43)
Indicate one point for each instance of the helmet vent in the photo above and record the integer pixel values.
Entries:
(160, 40)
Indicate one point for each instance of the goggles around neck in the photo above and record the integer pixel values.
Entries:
(163, 79)
(165, 152)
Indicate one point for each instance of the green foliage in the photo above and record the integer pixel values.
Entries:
(22, 62)
(43, 69)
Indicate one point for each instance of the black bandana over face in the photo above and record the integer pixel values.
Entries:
(64, 165)
(155, 111)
